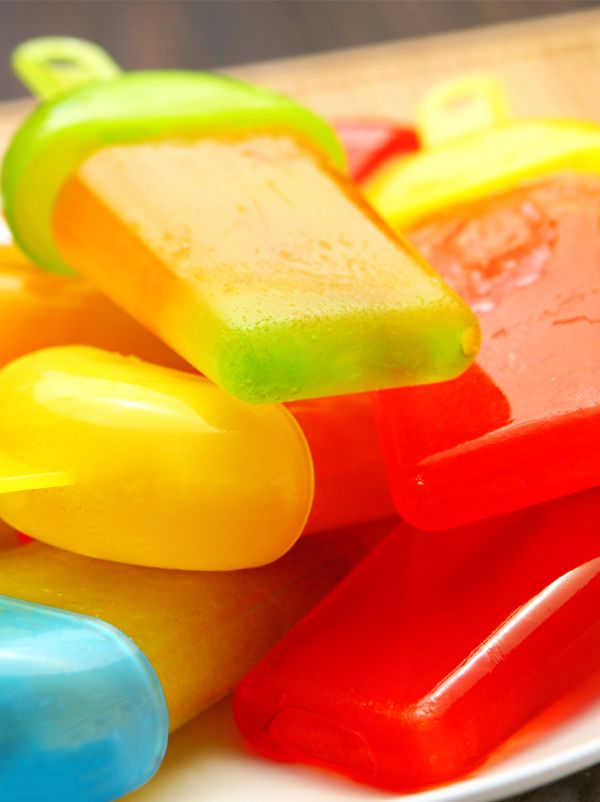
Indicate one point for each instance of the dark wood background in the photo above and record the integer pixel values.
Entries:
(213, 33)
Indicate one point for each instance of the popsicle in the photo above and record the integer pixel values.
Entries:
(118, 459)
(351, 485)
(38, 309)
(84, 705)
(83, 713)
(436, 649)
(8, 537)
(205, 189)
(368, 143)
(523, 425)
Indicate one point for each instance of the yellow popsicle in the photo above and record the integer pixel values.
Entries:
(118, 459)
(201, 631)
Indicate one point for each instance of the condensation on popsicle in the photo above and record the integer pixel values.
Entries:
(523, 425)
(119, 459)
(436, 649)
(245, 249)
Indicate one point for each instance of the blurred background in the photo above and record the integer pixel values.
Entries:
(204, 34)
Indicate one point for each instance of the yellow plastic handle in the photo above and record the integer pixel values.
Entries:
(460, 107)
(51, 66)
(16, 476)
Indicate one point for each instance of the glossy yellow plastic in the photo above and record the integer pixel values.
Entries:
(475, 151)
(202, 631)
(157, 467)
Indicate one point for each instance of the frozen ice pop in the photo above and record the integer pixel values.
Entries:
(119, 459)
(523, 425)
(83, 713)
(201, 631)
(436, 649)
(38, 309)
(351, 485)
(214, 213)
(369, 143)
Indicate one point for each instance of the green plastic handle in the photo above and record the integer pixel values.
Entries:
(51, 66)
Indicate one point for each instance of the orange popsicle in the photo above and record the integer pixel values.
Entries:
(216, 214)
(40, 309)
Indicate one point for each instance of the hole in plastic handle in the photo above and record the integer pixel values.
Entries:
(51, 66)
(462, 106)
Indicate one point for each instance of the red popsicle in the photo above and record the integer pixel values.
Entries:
(523, 425)
(351, 486)
(368, 143)
(435, 649)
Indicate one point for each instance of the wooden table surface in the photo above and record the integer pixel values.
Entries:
(551, 67)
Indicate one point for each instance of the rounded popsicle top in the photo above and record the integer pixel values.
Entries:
(89, 104)
(136, 463)
(472, 148)
(84, 715)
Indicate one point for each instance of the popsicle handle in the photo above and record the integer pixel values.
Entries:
(51, 66)
(16, 476)
(460, 107)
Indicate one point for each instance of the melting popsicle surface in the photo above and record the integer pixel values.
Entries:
(261, 266)
(523, 425)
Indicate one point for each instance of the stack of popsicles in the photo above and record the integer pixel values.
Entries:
(217, 308)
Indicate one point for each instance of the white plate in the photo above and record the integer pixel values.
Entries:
(208, 762)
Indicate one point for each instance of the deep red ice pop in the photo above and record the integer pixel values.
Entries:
(435, 649)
